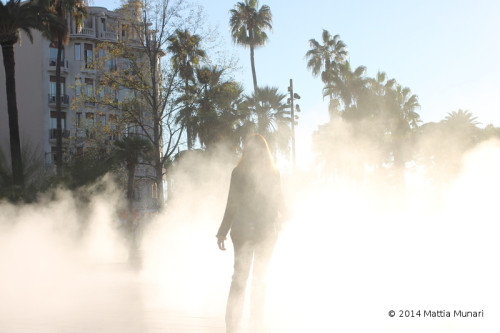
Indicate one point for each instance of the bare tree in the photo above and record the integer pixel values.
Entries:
(136, 82)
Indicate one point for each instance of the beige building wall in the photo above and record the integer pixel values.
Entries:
(34, 67)
(30, 91)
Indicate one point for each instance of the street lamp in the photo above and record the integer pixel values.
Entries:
(293, 118)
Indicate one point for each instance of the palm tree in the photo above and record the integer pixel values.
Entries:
(270, 117)
(462, 127)
(76, 9)
(16, 17)
(377, 100)
(324, 59)
(247, 28)
(218, 117)
(347, 87)
(129, 150)
(186, 56)
(461, 119)
(404, 118)
(402, 106)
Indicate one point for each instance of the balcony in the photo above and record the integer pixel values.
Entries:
(109, 35)
(53, 62)
(84, 32)
(53, 133)
(64, 99)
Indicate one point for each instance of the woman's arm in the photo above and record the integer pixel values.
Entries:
(230, 212)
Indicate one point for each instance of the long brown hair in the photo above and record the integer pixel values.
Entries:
(256, 154)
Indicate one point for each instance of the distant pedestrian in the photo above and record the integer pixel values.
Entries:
(254, 205)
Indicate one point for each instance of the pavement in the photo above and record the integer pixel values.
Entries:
(113, 299)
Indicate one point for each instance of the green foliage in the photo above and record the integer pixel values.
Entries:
(269, 115)
(129, 151)
(248, 24)
(64, 9)
(376, 115)
(325, 59)
(443, 144)
(90, 154)
(131, 148)
(31, 15)
(87, 167)
(186, 55)
(186, 52)
(36, 178)
(218, 117)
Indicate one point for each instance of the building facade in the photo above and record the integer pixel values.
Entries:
(36, 90)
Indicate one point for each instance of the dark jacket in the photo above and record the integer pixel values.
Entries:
(254, 203)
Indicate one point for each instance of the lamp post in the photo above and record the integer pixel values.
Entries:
(293, 117)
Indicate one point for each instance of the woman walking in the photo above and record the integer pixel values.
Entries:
(254, 205)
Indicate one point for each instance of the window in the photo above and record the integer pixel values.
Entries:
(112, 64)
(113, 127)
(102, 119)
(105, 88)
(54, 154)
(89, 116)
(154, 191)
(78, 51)
(52, 89)
(53, 120)
(53, 55)
(103, 24)
(89, 87)
(88, 55)
(53, 124)
(124, 30)
(78, 86)
(78, 119)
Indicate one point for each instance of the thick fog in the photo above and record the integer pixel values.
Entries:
(348, 255)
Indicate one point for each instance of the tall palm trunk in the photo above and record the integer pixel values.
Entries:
(254, 75)
(59, 135)
(15, 142)
(252, 60)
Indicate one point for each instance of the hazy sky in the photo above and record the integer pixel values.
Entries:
(444, 51)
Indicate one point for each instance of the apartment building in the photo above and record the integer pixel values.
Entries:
(36, 89)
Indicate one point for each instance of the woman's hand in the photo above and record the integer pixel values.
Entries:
(220, 242)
